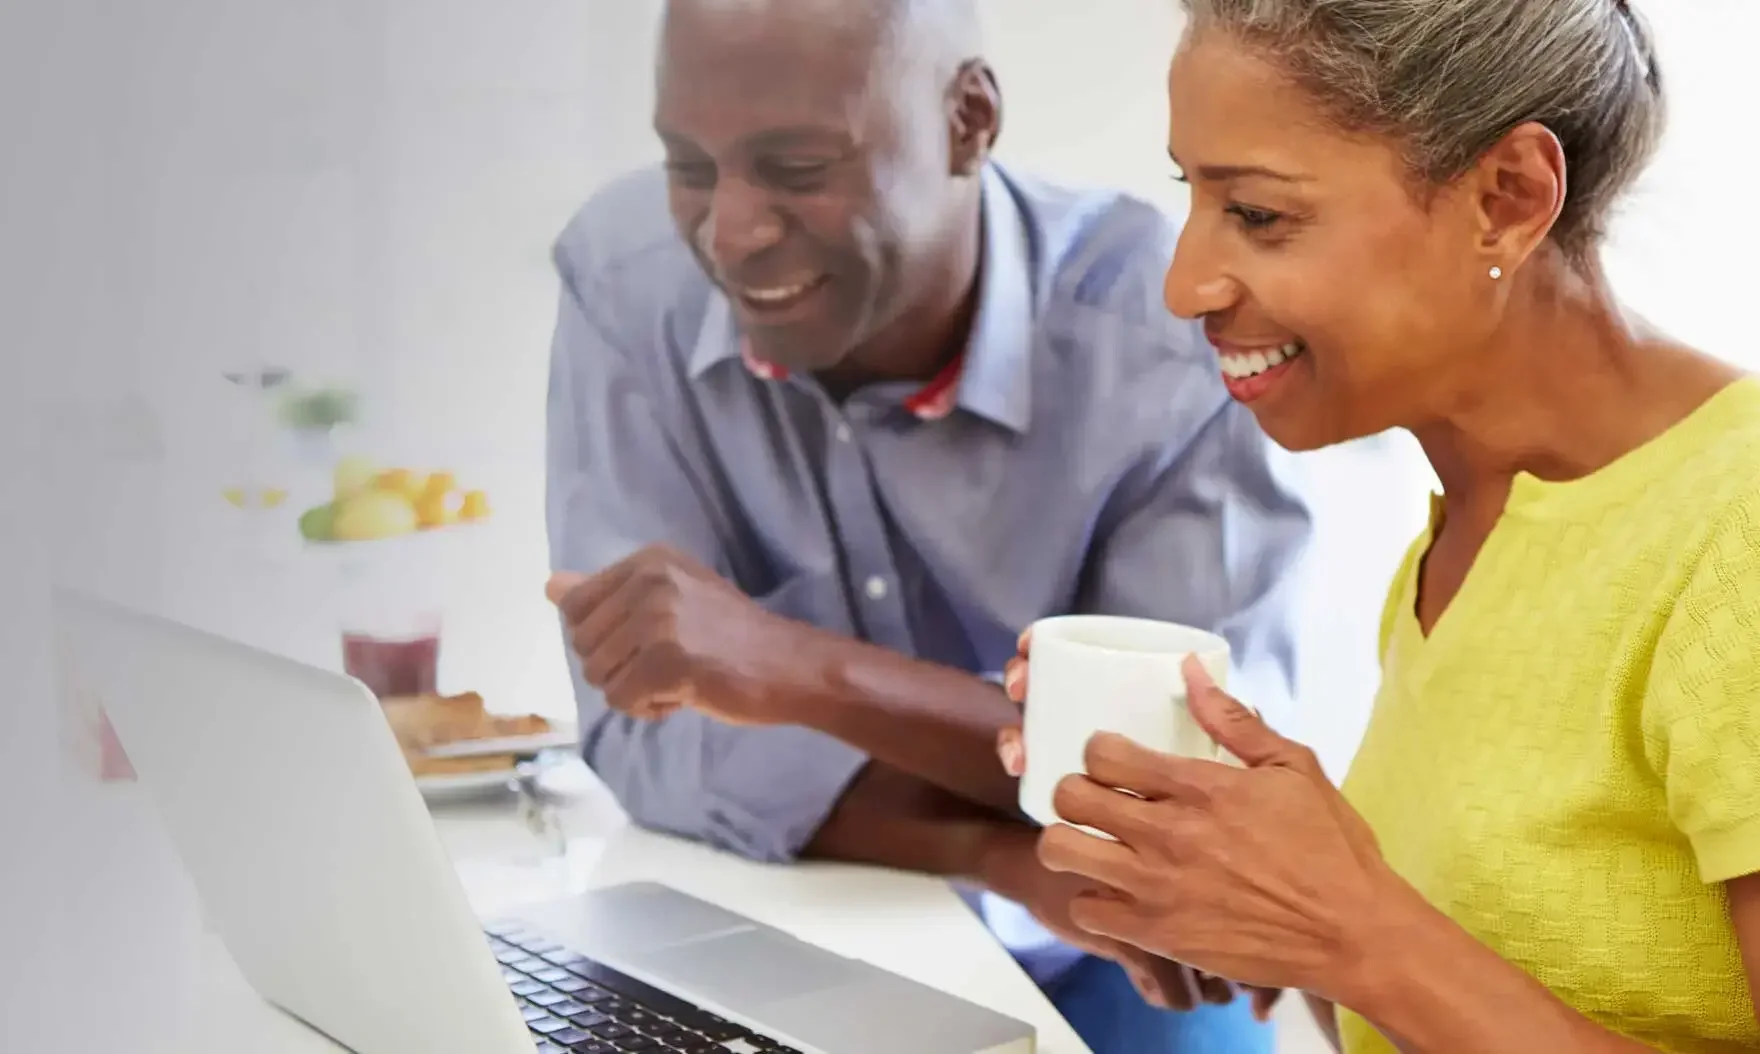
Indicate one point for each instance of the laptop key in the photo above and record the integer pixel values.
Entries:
(589, 1019)
(635, 1017)
(573, 986)
(600, 1046)
(612, 1030)
(551, 1048)
(549, 998)
(567, 1008)
(633, 1043)
(534, 1013)
(526, 988)
(568, 1037)
(550, 976)
(546, 1025)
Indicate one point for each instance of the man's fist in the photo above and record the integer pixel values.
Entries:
(659, 631)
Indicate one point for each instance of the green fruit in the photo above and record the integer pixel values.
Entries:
(318, 524)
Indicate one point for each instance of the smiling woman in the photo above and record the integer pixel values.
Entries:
(1550, 837)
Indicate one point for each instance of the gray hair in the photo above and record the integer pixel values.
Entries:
(1447, 79)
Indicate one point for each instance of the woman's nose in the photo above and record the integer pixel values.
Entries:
(1195, 286)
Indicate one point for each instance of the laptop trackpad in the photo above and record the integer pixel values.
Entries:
(741, 971)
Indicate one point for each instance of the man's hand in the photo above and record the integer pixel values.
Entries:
(1012, 869)
(659, 631)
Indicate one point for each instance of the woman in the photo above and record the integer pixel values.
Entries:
(1550, 838)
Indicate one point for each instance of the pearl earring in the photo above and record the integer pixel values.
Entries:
(1496, 273)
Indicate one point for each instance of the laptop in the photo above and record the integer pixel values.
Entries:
(287, 797)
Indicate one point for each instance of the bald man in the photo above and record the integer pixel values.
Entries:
(839, 405)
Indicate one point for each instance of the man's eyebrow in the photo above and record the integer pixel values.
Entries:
(797, 135)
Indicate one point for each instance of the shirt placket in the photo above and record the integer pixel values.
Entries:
(870, 572)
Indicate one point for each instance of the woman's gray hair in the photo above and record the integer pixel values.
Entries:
(1447, 79)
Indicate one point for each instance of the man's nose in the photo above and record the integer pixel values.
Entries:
(1196, 285)
(742, 222)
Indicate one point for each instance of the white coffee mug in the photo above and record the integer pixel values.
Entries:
(1104, 673)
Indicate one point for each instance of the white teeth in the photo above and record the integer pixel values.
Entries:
(778, 294)
(1246, 364)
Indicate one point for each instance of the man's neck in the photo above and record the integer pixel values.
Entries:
(928, 334)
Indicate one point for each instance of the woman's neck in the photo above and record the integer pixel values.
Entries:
(1568, 384)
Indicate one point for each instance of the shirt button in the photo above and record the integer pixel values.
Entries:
(876, 588)
(843, 433)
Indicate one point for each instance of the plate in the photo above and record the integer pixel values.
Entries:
(560, 737)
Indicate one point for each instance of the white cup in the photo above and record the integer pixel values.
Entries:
(1104, 673)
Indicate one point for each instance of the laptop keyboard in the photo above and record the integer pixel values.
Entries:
(574, 1005)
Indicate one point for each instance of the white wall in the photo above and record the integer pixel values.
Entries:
(367, 190)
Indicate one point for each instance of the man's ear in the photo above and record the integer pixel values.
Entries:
(1519, 186)
(974, 117)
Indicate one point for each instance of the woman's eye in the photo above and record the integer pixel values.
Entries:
(1254, 219)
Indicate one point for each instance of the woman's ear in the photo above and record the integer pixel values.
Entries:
(1519, 186)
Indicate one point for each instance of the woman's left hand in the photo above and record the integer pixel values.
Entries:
(1261, 873)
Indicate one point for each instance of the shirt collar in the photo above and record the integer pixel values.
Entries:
(993, 377)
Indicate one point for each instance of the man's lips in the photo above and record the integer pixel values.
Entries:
(776, 297)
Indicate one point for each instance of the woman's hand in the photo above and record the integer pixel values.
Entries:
(1155, 989)
(1262, 873)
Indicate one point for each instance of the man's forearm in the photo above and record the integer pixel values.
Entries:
(891, 818)
(934, 722)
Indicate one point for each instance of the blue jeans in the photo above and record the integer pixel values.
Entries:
(1102, 1005)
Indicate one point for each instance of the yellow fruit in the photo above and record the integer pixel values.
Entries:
(400, 481)
(433, 509)
(474, 507)
(440, 483)
(353, 475)
(372, 515)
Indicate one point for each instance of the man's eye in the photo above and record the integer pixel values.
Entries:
(696, 174)
(1254, 219)
(797, 175)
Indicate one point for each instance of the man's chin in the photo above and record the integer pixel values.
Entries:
(797, 355)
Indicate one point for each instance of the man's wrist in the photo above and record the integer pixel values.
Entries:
(1006, 859)
(799, 673)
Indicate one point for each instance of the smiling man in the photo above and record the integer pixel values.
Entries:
(839, 406)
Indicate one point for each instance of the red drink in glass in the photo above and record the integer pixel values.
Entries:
(393, 666)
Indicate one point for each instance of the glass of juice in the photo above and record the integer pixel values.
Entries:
(390, 621)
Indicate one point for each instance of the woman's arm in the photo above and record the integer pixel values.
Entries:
(1430, 983)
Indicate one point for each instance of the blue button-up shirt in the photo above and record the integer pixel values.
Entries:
(1093, 463)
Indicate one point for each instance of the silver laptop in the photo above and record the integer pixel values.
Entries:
(287, 797)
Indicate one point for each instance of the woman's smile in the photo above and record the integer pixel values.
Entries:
(1249, 371)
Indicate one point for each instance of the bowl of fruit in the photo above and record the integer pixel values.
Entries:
(370, 504)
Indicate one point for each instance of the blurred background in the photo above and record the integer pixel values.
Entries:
(267, 239)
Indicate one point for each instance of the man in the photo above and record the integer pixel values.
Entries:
(838, 407)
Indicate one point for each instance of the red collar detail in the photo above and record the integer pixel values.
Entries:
(933, 401)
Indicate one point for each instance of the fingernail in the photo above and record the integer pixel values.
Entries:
(1011, 680)
(1197, 677)
(1021, 642)
(1011, 757)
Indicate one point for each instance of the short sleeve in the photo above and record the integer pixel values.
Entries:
(1701, 717)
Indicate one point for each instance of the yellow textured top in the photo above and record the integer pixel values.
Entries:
(1569, 764)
